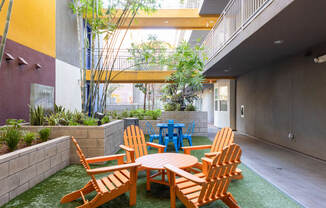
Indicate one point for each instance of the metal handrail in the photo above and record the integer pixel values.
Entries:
(123, 60)
(235, 17)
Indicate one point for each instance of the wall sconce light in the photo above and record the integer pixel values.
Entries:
(320, 59)
(21, 61)
(38, 66)
(9, 57)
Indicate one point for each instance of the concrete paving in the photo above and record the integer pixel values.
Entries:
(301, 177)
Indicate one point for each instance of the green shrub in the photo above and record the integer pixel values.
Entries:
(170, 107)
(73, 123)
(14, 122)
(29, 138)
(125, 114)
(58, 109)
(89, 121)
(36, 115)
(52, 120)
(44, 134)
(11, 137)
(78, 117)
(114, 114)
(190, 107)
(155, 114)
(105, 119)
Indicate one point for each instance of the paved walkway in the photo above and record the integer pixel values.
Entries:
(301, 177)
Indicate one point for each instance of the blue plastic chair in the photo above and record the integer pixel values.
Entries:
(188, 134)
(151, 132)
(171, 138)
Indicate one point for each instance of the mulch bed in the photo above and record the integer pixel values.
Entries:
(4, 149)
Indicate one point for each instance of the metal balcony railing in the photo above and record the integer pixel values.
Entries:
(167, 4)
(234, 18)
(124, 60)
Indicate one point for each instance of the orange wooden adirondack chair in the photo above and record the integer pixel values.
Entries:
(135, 145)
(223, 138)
(122, 180)
(209, 185)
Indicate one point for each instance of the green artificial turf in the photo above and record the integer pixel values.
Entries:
(253, 191)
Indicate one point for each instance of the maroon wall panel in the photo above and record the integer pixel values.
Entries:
(15, 80)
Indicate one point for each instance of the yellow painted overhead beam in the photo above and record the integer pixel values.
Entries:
(143, 77)
(134, 76)
(187, 19)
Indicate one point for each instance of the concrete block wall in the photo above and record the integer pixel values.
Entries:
(93, 140)
(113, 134)
(186, 117)
(142, 125)
(22, 169)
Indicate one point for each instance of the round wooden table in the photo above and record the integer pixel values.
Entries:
(157, 162)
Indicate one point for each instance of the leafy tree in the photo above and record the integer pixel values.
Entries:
(188, 77)
(109, 22)
(149, 55)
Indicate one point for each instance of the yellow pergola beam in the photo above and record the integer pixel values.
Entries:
(153, 76)
(133, 76)
(187, 19)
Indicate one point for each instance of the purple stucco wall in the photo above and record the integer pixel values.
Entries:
(15, 80)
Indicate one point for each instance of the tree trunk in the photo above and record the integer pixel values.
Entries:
(153, 97)
(145, 95)
(1, 4)
(5, 32)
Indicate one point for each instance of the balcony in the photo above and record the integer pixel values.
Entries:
(235, 17)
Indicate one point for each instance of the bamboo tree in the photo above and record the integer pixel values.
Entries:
(106, 60)
(1, 4)
(5, 32)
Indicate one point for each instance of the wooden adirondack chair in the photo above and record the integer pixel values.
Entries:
(135, 145)
(208, 186)
(122, 180)
(223, 138)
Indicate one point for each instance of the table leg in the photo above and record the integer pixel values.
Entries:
(181, 138)
(161, 138)
(148, 177)
(163, 175)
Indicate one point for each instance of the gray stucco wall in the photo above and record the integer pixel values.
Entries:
(288, 96)
(66, 34)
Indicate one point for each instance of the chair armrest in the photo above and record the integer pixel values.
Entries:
(211, 154)
(128, 149)
(111, 168)
(105, 158)
(188, 149)
(131, 153)
(206, 162)
(158, 146)
(184, 174)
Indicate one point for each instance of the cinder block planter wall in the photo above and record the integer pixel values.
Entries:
(22, 169)
(185, 117)
(94, 140)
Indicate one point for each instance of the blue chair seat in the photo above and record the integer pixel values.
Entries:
(155, 136)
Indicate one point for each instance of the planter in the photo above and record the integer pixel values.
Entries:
(94, 140)
(22, 169)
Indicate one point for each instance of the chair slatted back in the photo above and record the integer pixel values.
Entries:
(222, 139)
(85, 164)
(149, 128)
(219, 173)
(191, 128)
(134, 138)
